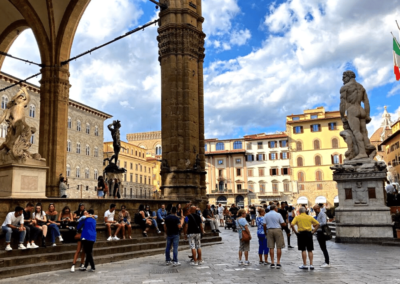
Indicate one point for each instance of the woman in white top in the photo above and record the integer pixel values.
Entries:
(39, 220)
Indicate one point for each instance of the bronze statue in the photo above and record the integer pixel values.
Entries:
(355, 123)
(115, 134)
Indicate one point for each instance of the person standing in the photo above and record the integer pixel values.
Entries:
(172, 228)
(209, 215)
(390, 194)
(244, 246)
(304, 234)
(117, 185)
(101, 185)
(321, 218)
(193, 230)
(253, 214)
(285, 216)
(233, 212)
(31, 231)
(88, 239)
(220, 211)
(63, 188)
(14, 223)
(262, 238)
(274, 222)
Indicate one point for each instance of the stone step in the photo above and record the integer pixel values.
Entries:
(20, 270)
(394, 243)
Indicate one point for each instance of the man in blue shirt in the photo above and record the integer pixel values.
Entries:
(88, 238)
(172, 228)
(321, 218)
(161, 214)
(273, 221)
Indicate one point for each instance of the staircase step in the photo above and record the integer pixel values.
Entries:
(392, 244)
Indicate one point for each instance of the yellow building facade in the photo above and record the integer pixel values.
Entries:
(138, 181)
(315, 145)
(391, 146)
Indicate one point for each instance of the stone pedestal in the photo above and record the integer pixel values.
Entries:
(362, 216)
(26, 180)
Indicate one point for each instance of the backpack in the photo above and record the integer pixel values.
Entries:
(138, 218)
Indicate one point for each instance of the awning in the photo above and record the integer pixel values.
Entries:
(336, 199)
(320, 199)
(302, 200)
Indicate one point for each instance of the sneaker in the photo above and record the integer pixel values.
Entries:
(177, 263)
(278, 266)
(325, 265)
(168, 263)
(73, 268)
(200, 262)
(28, 246)
(110, 238)
(213, 231)
(54, 245)
(261, 262)
(266, 263)
(272, 265)
(290, 247)
(116, 238)
(194, 263)
(158, 232)
(311, 267)
(34, 246)
(240, 262)
(218, 231)
(246, 263)
(305, 267)
(60, 238)
(82, 268)
(91, 270)
(22, 247)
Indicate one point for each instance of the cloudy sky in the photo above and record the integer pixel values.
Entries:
(264, 60)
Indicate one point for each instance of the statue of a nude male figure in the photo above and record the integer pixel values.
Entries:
(351, 96)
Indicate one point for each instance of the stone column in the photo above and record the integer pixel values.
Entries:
(181, 50)
(54, 98)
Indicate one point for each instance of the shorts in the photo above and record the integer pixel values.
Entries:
(194, 241)
(305, 241)
(253, 216)
(221, 216)
(286, 229)
(244, 246)
(275, 236)
(100, 193)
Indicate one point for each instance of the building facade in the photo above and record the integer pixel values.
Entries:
(138, 181)
(391, 147)
(383, 132)
(315, 145)
(85, 138)
(151, 141)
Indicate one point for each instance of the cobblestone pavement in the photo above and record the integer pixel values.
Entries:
(351, 263)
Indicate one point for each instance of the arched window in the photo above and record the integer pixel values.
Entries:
(68, 170)
(336, 159)
(96, 151)
(237, 145)
(78, 148)
(32, 110)
(78, 172)
(3, 130)
(317, 160)
(87, 128)
(299, 146)
(69, 122)
(335, 143)
(78, 125)
(316, 145)
(158, 150)
(87, 173)
(96, 131)
(32, 138)
(220, 146)
(300, 177)
(4, 102)
(68, 146)
(318, 176)
(87, 150)
(96, 174)
(299, 161)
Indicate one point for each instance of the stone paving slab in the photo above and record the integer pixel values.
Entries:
(351, 263)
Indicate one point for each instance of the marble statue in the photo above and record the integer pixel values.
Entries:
(16, 146)
(360, 194)
(355, 118)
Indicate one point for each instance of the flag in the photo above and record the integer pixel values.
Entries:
(396, 59)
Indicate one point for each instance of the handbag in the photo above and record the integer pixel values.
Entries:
(326, 231)
(105, 188)
(245, 235)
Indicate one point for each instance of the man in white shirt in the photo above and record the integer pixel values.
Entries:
(390, 190)
(273, 221)
(14, 223)
(109, 220)
(221, 214)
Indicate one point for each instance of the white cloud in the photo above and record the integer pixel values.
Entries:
(219, 16)
(240, 37)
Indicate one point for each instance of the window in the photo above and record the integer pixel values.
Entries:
(136, 166)
(78, 172)
(237, 145)
(261, 172)
(238, 172)
(87, 173)
(299, 146)
(158, 150)
(315, 116)
(315, 127)
(68, 170)
(68, 146)
(262, 188)
(140, 167)
(284, 155)
(205, 148)
(96, 151)
(32, 138)
(250, 172)
(251, 187)
(348, 193)
(371, 193)
(285, 171)
(274, 172)
(239, 186)
(272, 144)
(220, 173)
(32, 111)
(131, 166)
(141, 178)
(260, 157)
(78, 125)
(336, 159)
(250, 158)
(335, 143)
(332, 126)
(96, 174)
(319, 186)
(220, 162)
(136, 178)
(318, 176)
(301, 186)
(87, 128)
(248, 146)
(300, 177)
(296, 118)
(259, 145)
(125, 165)
(283, 143)
(274, 188)
(238, 161)
(299, 161)
(87, 150)
(3, 130)
(298, 129)
(316, 145)
(317, 160)
(96, 131)
(78, 148)
(69, 123)
(220, 146)
(286, 187)
(4, 102)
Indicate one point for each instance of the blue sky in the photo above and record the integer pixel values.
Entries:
(264, 60)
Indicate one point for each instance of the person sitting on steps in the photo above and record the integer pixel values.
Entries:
(109, 220)
(40, 221)
(14, 223)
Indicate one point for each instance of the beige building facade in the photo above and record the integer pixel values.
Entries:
(150, 141)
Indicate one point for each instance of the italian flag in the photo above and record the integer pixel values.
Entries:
(396, 59)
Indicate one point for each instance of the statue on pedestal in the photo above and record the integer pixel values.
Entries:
(115, 134)
(15, 147)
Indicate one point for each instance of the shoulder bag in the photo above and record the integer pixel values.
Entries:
(326, 231)
(245, 235)
(198, 227)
